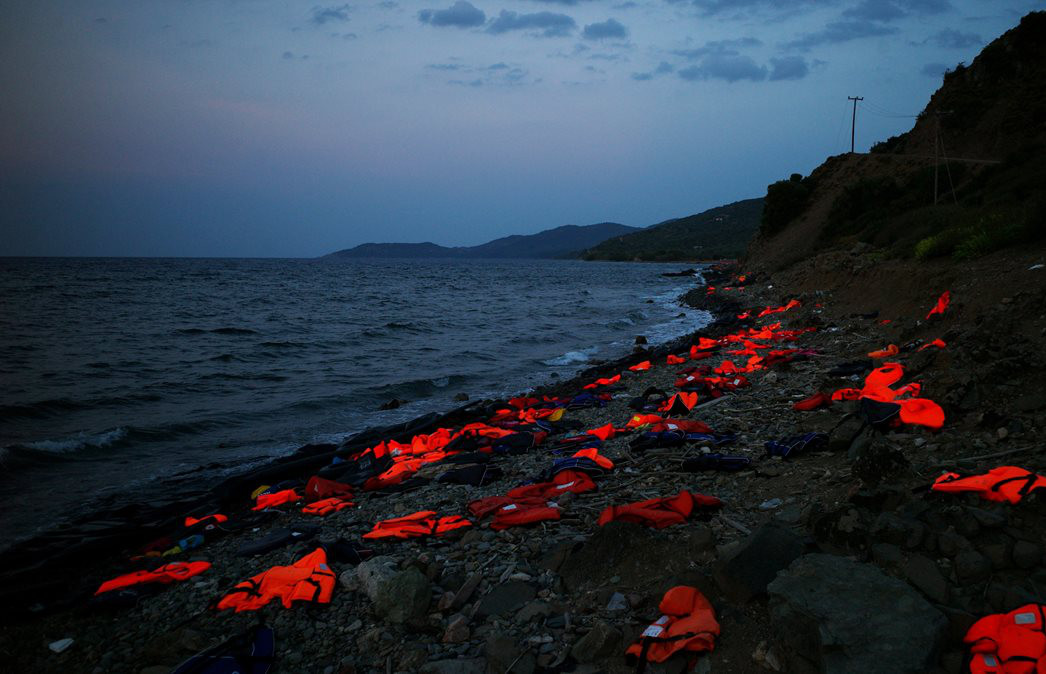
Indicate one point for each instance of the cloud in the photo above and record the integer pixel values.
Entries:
(840, 31)
(290, 56)
(495, 74)
(461, 14)
(546, 24)
(322, 15)
(953, 39)
(875, 10)
(723, 66)
(789, 68)
(744, 7)
(891, 10)
(718, 47)
(608, 29)
(662, 68)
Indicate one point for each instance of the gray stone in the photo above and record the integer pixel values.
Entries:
(535, 609)
(744, 574)
(836, 616)
(701, 539)
(987, 518)
(924, 575)
(875, 460)
(971, 566)
(457, 631)
(600, 642)
(951, 543)
(998, 552)
(1026, 554)
(464, 593)
(373, 572)
(506, 597)
(404, 597)
(502, 652)
(888, 556)
(846, 431)
(455, 666)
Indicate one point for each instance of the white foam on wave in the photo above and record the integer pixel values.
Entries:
(686, 320)
(572, 357)
(79, 441)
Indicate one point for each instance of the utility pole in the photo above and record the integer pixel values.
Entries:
(853, 122)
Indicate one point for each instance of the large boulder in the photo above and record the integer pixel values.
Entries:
(745, 572)
(404, 597)
(832, 615)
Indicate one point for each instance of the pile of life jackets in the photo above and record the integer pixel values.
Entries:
(174, 572)
(309, 579)
(891, 402)
(273, 499)
(1005, 484)
(687, 625)
(532, 503)
(417, 525)
(1009, 643)
(659, 512)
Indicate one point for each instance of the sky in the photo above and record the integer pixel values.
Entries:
(258, 128)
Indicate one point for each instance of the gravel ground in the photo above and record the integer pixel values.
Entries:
(570, 596)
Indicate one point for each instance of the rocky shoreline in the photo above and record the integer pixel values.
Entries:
(842, 540)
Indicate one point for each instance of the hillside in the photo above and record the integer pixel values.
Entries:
(716, 233)
(988, 119)
(567, 241)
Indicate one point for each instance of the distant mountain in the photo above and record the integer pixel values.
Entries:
(568, 241)
(718, 232)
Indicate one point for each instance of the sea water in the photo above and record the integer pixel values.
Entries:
(130, 378)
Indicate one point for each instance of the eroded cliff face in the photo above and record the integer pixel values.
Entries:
(988, 119)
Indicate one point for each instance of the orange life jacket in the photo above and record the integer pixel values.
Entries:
(680, 403)
(638, 420)
(659, 512)
(175, 572)
(687, 624)
(308, 579)
(522, 513)
(891, 350)
(593, 454)
(603, 432)
(685, 425)
(942, 304)
(639, 367)
(1002, 484)
(813, 402)
(276, 499)
(603, 382)
(318, 489)
(776, 310)
(326, 506)
(674, 360)
(416, 525)
(216, 518)
(939, 343)
(565, 480)
(1009, 643)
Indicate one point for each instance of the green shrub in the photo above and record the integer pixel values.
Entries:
(785, 201)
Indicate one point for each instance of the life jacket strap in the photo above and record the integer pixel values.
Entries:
(647, 642)
(1028, 480)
